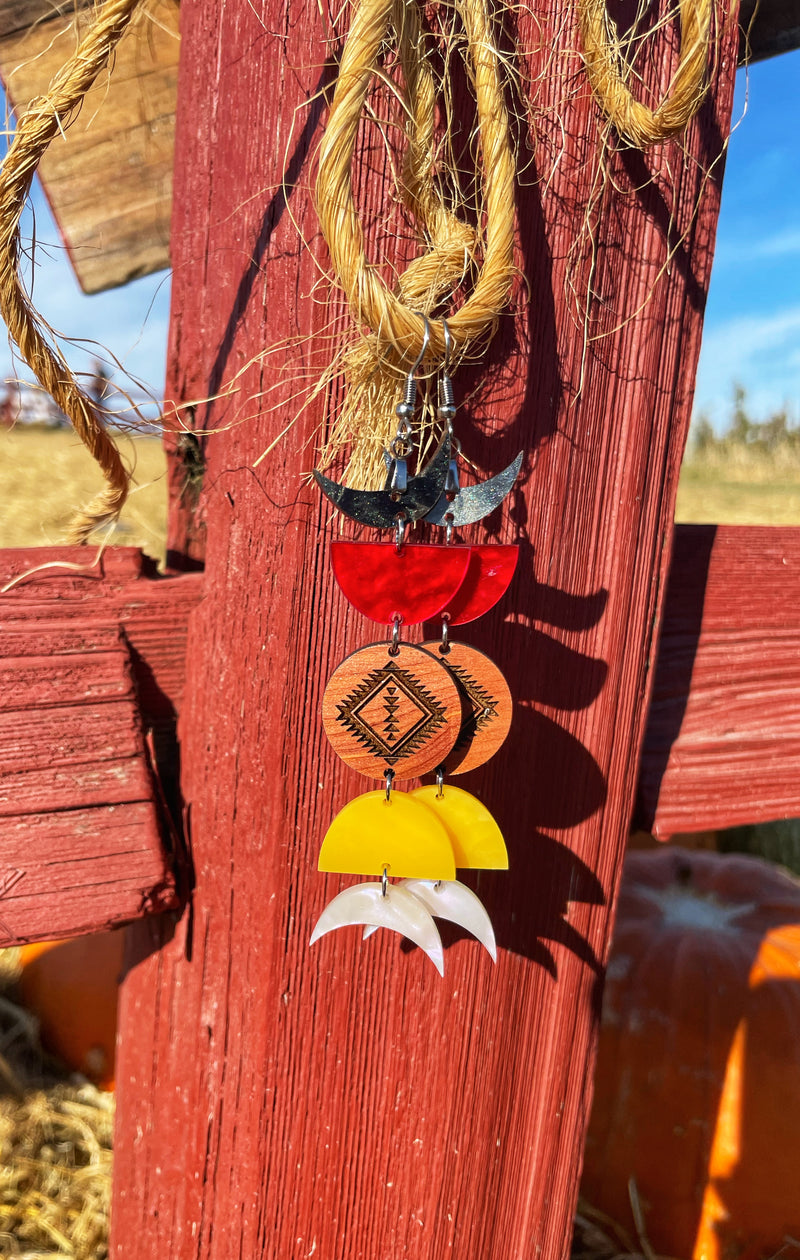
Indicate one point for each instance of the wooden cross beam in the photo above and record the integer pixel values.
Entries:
(722, 745)
(92, 668)
(91, 662)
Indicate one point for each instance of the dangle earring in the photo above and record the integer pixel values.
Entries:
(395, 710)
(486, 709)
(391, 710)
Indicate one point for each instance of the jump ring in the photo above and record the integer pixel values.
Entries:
(444, 647)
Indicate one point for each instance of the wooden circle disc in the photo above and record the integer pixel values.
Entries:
(486, 706)
(384, 712)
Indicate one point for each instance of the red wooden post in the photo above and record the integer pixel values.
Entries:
(342, 1101)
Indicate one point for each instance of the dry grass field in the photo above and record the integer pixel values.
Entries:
(45, 474)
(740, 487)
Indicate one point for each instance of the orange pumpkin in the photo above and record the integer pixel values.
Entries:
(71, 986)
(697, 1094)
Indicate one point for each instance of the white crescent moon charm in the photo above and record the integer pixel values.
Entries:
(451, 900)
(393, 908)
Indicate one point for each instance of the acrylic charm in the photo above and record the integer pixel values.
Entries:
(453, 901)
(413, 582)
(395, 832)
(380, 508)
(473, 503)
(489, 572)
(476, 839)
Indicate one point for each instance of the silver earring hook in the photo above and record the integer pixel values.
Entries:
(426, 341)
(405, 408)
(447, 402)
(448, 345)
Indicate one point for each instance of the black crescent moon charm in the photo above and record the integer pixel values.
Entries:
(378, 508)
(474, 502)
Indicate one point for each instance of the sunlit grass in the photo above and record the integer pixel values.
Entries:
(46, 474)
(739, 488)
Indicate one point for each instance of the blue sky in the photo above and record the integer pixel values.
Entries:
(129, 324)
(752, 326)
(752, 329)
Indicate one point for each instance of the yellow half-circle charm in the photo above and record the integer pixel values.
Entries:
(401, 834)
(476, 839)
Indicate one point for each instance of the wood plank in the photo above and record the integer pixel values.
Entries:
(109, 180)
(90, 661)
(342, 1101)
(63, 587)
(769, 27)
(20, 15)
(723, 733)
(71, 738)
(80, 870)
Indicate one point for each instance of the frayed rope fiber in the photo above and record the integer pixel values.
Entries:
(44, 118)
(460, 254)
(394, 318)
(633, 120)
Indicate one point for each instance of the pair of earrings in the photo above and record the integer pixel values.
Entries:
(396, 710)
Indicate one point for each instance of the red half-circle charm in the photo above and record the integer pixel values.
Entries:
(414, 583)
(491, 568)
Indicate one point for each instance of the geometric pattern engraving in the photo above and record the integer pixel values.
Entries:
(480, 707)
(486, 706)
(391, 713)
(398, 712)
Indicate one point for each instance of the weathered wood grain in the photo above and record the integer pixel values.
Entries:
(723, 733)
(21, 15)
(91, 661)
(109, 179)
(80, 828)
(65, 596)
(343, 1102)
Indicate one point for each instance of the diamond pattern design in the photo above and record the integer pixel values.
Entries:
(482, 705)
(391, 713)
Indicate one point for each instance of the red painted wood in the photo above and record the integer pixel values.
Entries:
(414, 583)
(80, 823)
(723, 733)
(344, 1102)
(91, 662)
(491, 568)
(122, 589)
